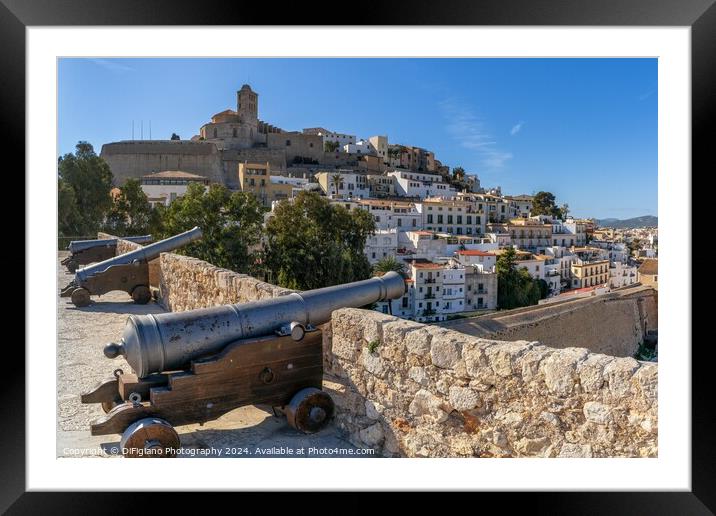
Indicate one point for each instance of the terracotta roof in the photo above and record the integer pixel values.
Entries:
(650, 266)
(474, 252)
(173, 174)
(225, 112)
(425, 265)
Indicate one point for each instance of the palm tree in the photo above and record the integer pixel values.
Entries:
(389, 263)
(336, 180)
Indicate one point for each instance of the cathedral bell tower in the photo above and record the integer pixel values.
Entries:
(247, 105)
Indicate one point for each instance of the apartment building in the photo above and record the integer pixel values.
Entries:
(401, 215)
(453, 289)
(427, 284)
(622, 274)
(480, 289)
(453, 216)
(256, 179)
(380, 245)
(343, 184)
(589, 272)
(528, 233)
(420, 185)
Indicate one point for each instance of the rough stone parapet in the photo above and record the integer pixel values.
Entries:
(426, 391)
(187, 283)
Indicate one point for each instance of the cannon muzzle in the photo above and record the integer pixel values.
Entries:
(145, 254)
(157, 343)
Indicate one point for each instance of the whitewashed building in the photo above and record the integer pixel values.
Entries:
(421, 185)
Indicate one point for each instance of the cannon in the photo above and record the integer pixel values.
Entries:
(128, 272)
(194, 366)
(84, 252)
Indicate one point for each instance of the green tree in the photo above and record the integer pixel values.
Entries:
(330, 146)
(515, 286)
(458, 173)
(230, 223)
(389, 263)
(175, 136)
(131, 213)
(312, 243)
(69, 218)
(89, 178)
(544, 204)
(336, 181)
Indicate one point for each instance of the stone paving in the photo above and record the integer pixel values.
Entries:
(83, 332)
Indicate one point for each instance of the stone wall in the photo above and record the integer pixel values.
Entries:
(614, 324)
(411, 390)
(137, 158)
(407, 389)
(186, 283)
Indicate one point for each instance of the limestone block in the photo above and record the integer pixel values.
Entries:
(570, 450)
(597, 412)
(445, 350)
(426, 404)
(647, 380)
(503, 356)
(463, 398)
(418, 375)
(591, 372)
(532, 447)
(618, 373)
(418, 342)
(560, 368)
(373, 435)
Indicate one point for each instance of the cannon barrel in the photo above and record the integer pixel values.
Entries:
(165, 342)
(144, 254)
(81, 245)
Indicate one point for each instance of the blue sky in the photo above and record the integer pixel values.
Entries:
(584, 129)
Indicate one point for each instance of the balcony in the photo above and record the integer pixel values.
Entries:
(430, 296)
(429, 280)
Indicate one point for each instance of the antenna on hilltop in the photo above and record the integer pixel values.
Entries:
(150, 129)
(141, 129)
(132, 129)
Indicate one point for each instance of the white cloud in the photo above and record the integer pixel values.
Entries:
(516, 128)
(113, 65)
(471, 132)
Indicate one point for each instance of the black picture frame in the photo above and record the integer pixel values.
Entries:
(700, 15)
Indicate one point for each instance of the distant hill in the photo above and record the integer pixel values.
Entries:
(636, 222)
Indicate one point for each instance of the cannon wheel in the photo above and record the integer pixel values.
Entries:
(141, 294)
(80, 297)
(310, 410)
(150, 437)
(72, 266)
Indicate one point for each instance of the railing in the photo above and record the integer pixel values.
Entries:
(430, 280)
(429, 296)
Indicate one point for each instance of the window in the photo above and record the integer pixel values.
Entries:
(430, 218)
(449, 219)
(234, 132)
(215, 132)
(415, 222)
(310, 144)
(288, 143)
(400, 222)
(440, 219)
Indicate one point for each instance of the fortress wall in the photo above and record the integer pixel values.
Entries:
(408, 389)
(614, 324)
(135, 159)
(186, 283)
